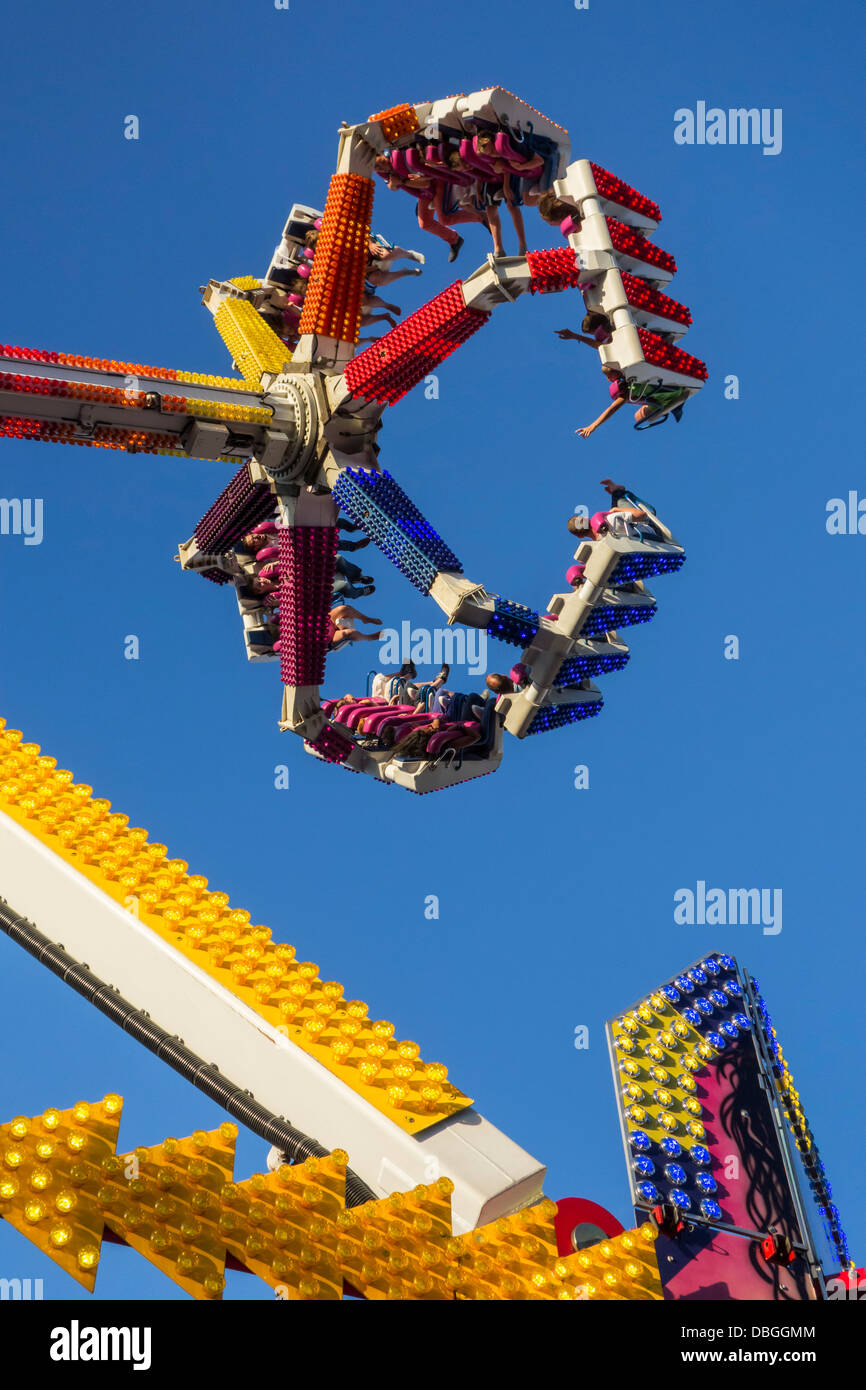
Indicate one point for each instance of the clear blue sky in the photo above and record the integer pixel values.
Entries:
(742, 773)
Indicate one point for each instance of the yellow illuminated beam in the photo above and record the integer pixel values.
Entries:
(200, 924)
(253, 345)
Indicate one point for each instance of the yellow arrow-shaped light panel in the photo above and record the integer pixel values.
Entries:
(178, 1205)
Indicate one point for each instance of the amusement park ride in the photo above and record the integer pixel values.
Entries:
(385, 1181)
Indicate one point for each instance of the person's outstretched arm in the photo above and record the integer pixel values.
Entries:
(587, 430)
(567, 335)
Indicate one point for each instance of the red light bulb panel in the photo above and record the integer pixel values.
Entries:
(642, 296)
(636, 248)
(662, 354)
(615, 190)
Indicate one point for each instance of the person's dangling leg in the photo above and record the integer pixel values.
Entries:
(352, 572)
(367, 319)
(375, 301)
(399, 253)
(461, 215)
(427, 222)
(345, 610)
(387, 277)
(351, 634)
(494, 226)
(517, 219)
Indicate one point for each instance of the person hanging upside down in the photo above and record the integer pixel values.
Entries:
(382, 682)
(341, 622)
(429, 203)
(393, 689)
(386, 253)
(553, 209)
(657, 400)
(342, 544)
(413, 744)
(381, 255)
(258, 587)
(486, 147)
(498, 684)
(466, 202)
(633, 522)
(372, 301)
(350, 581)
(596, 324)
(478, 200)
(620, 495)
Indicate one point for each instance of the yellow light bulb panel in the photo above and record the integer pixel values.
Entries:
(182, 454)
(165, 1203)
(623, 1268)
(283, 1226)
(217, 410)
(801, 1133)
(658, 1055)
(49, 1172)
(228, 383)
(253, 345)
(178, 1205)
(513, 1258)
(397, 1248)
(184, 911)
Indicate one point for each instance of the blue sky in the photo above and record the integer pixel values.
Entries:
(556, 905)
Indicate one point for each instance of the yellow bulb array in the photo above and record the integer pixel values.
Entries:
(400, 1247)
(622, 1268)
(222, 410)
(513, 1258)
(182, 454)
(246, 282)
(791, 1105)
(177, 1204)
(198, 922)
(165, 1203)
(283, 1226)
(223, 383)
(659, 1053)
(253, 345)
(45, 1162)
